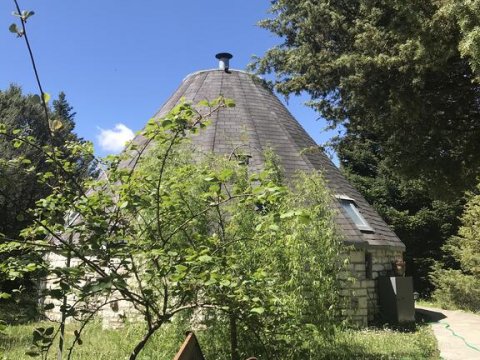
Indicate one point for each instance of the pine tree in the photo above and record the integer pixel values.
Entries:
(402, 70)
(20, 189)
(460, 287)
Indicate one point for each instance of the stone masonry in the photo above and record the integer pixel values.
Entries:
(360, 286)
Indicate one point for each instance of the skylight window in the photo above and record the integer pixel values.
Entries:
(348, 204)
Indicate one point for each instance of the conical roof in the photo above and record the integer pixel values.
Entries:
(260, 121)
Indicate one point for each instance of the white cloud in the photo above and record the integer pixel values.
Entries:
(114, 140)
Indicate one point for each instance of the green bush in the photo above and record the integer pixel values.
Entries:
(456, 289)
(460, 288)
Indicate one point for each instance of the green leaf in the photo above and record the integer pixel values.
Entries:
(17, 144)
(31, 267)
(166, 123)
(56, 293)
(258, 310)
(274, 227)
(37, 334)
(4, 295)
(225, 174)
(46, 97)
(181, 268)
(123, 205)
(304, 218)
(55, 125)
(13, 28)
(225, 282)
(3, 326)
(32, 353)
(36, 99)
(288, 215)
(229, 103)
(205, 258)
(64, 286)
(203, 103)
(26, 14)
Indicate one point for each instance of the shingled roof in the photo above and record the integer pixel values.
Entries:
(260, 121)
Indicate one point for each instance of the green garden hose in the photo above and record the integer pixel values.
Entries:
(447, 326)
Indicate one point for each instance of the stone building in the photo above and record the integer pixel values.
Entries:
(260, 121)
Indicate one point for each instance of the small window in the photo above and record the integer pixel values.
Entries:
(351, 209)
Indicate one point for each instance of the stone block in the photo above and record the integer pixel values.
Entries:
(362, 304)
(378, 267)
(357, 257)
(368, 284)
(359, 292)
(360, 267)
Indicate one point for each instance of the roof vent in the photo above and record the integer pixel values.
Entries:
(224, 58)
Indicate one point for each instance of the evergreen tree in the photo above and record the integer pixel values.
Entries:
(460, 287)
(402, 70)
(20, 187)
(20, 190)
(64, 112)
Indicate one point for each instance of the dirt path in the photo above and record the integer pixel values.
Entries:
(457, 332)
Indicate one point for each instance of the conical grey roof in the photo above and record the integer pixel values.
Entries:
(260, 121)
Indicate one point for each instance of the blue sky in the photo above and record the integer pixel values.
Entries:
(118, 61)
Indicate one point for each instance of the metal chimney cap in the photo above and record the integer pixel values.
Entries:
(224, 55)
(224, 59)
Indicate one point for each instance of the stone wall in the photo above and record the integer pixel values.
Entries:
(360, 286)
(113, 314)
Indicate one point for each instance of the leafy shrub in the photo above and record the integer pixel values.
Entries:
(460, 288)
(456, 289)
(301, 255)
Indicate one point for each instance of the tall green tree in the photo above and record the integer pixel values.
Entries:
(467, 16)
(64, 111)
(403, 70)
(20, 186)
(19, 190)
(460, 287)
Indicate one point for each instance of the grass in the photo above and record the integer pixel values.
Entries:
(101, 344)
(385, 344)
(98, 344)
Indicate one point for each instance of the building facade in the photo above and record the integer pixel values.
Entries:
(258, 122)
